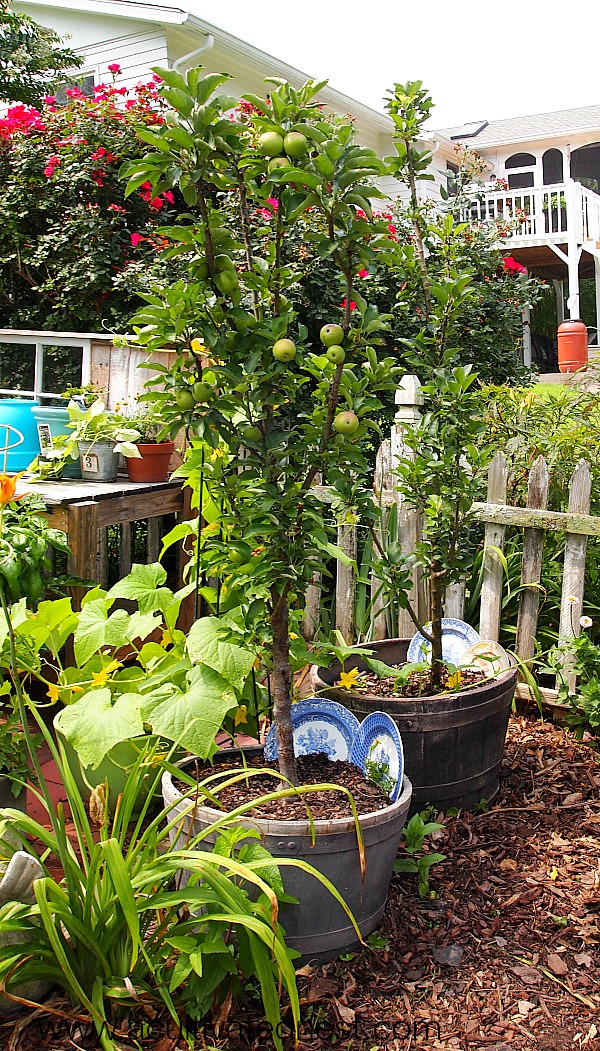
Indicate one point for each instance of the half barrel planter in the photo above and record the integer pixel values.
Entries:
(318, 928)
(453, 743)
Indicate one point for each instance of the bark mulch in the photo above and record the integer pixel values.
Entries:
(313, 769)
(504, 958)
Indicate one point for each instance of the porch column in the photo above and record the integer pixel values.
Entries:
(573, 253)
(526, 318)
(597, 284)
(559, 289)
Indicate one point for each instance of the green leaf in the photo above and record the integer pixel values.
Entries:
(205, 645)
(93, 725)
(96, 629)
(143, 586)
(191, 717)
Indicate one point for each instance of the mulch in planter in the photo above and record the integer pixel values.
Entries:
(312, 769)
(417, 684)
(505, 957)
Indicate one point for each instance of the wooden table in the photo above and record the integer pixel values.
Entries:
(82, 509)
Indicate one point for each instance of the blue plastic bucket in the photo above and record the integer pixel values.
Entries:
(18, 432)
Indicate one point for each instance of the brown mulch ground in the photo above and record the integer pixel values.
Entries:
(313, 769)
(504, 958)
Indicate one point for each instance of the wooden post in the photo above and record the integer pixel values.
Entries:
(153, 540)
(531, 569)
(82, 532)
(346, 583)
(454, 602)
(312, 609)
(574, 567)
(491, 588)
(382, 481)
(125, 550)
(408, 400)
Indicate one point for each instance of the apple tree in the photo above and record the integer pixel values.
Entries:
(268, 412)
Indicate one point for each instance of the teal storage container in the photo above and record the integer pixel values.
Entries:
(55, 418)
(15, 413)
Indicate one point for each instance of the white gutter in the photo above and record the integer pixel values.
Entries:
(192, 55)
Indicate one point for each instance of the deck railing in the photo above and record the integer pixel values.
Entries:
(540, 213)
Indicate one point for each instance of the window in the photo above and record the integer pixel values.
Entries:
(521, 160)
(85, 84)
(520, 180)
(451, 174)
(552, 167)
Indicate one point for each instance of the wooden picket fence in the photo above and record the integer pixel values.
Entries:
(496, 515)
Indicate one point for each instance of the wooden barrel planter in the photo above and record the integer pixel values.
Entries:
(453, 743)
(317, 927)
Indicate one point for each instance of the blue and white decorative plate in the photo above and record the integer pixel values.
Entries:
(319, 726)
(457, 637)
(378, 741)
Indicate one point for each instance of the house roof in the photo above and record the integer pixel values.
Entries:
(527, 129)
(257, 59)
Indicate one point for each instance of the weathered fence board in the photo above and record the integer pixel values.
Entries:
(580, 492)
(493, 570)
(531, 566)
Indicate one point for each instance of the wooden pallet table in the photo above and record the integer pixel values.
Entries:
(84, 510)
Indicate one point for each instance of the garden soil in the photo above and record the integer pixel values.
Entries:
(505, 957)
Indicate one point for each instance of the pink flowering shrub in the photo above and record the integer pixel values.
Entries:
(73, 250)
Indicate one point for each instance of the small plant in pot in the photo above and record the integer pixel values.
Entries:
(98, 436)
(154, 446)
(453, 721)
(280, 410)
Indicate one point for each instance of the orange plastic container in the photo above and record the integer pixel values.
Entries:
(572, 345)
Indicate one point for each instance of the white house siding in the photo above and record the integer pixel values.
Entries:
(102, 40)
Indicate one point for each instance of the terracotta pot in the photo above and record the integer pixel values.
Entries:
(154, 463)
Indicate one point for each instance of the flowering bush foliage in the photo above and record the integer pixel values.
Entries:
(67, 235)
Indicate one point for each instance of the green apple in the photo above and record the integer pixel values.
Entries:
(331, 335)
(270, 144)
(335, 354)
(223, 262)
(295, 144)
(278, 162)
(185, 399)
(346, 422)
(284, 350)
(239, 552)
(202, 391)
(252, 434)
(201, 269)
(227, 282)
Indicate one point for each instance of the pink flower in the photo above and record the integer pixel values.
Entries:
(512, 265)
(49, 100)
(114, 68)
(273, 202)
(363, 273)
(117, 208)
(135, 240)
(49, 172)
(168, 196)
(352, 304)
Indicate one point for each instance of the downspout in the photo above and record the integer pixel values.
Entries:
(191, 55)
